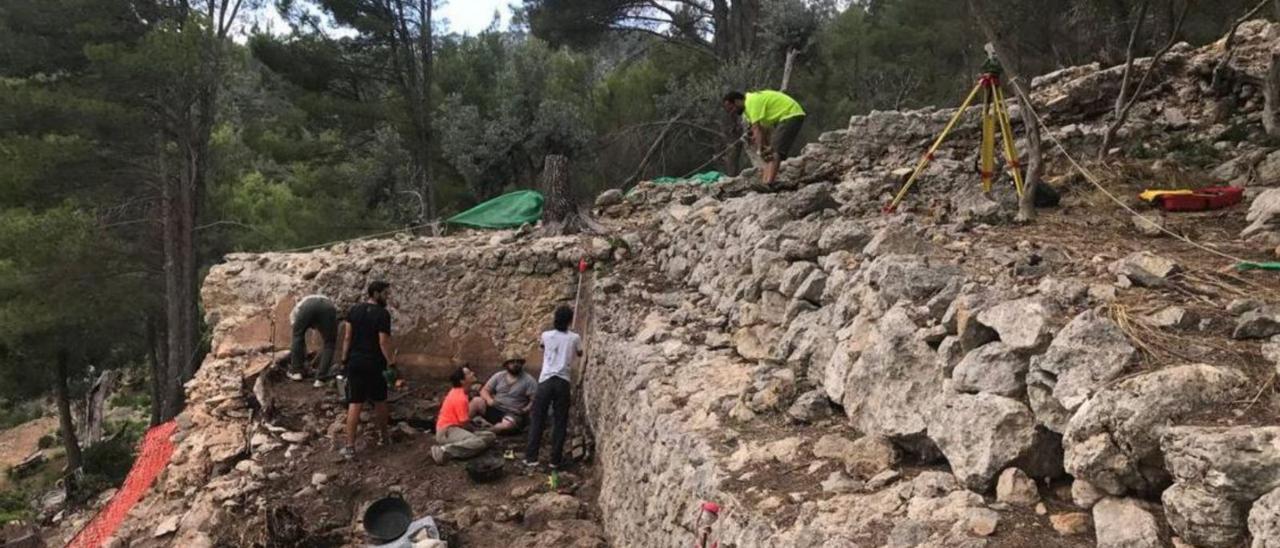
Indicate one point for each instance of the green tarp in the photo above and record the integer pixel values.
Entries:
(704, 178)
(506, 211)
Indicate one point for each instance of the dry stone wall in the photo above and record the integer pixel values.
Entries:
(455, 299)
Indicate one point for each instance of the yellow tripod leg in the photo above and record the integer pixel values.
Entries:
(988, 151)
(928, 156)
(1010, 149)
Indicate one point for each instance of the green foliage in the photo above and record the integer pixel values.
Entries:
(14, 507)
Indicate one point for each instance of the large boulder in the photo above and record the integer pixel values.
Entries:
(906, 277)
(1264, 521)
(1241, 463)
(1125, 523)
(1204, 519)
(994, 368)
(981, 435)
(1088, 353)
(1220, 472)
(892, 380)
(1022, 325)
(1113, 440)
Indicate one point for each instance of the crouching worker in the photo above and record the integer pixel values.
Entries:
(319, 313)
(505, 400)
(455, 441)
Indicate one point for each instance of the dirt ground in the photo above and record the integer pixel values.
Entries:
(17, 443)
(470, 514)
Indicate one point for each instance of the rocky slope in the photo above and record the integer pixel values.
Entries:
(833, 376)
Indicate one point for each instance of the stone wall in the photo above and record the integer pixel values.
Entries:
(456, 299)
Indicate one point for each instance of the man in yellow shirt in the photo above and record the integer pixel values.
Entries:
(775, 120)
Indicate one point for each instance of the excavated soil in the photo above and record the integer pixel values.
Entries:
(469, 514)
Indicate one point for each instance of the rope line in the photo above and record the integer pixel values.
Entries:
(1093, 179)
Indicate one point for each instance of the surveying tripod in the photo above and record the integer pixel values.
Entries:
(994, 112)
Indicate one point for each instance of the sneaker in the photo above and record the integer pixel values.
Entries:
(530, 464)
(318, 384)
(347, 453)
(438, 455)
(295, 376)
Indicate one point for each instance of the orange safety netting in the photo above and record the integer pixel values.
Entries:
(153, 456)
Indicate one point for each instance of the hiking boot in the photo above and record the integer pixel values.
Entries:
(347, 453)
(318, 384)
(438, 455)
(295, 376)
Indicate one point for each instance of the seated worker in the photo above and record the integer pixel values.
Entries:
(505, 400)
(455, 441)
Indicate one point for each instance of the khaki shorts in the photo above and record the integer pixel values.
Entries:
(784, 137)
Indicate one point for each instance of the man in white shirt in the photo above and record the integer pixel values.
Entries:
(559, 348)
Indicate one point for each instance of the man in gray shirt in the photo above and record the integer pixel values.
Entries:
(505, 400)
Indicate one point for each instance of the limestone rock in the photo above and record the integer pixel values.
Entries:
(794, 277)
(812, 288)
(906, 277)
(1089, 352)
(1113, 440)
(1241, 463)
(897, 239)
(1146, 269)
(1014, 487)
(879, 481)
(870, 455)
(1264, 521)
(862, 458)
(1084, 494)
(1262, 212)
(981, 435)
(843, 235)
(893, 379)
(993, 368)
(1125, 523)
(1204, 519)
(983, 522)
(1070, 524)
(609, 198)
(1173, 317)
(1259, 323)
(1023, 325)
(810, 407)
(1149, 225)
(549, 507)
(837, 482)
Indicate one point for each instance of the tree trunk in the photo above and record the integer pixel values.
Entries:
(561, 214)
(1129, 56)
(95, 405)
(179, 247)
(787, 67)
(736, 23)
(66, 424)
(1271, 92)
(559, 205)
(156, 351)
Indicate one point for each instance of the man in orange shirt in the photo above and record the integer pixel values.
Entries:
(455, 441)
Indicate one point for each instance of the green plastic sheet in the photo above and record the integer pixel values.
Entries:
(507, 211)
(704, 178)
(1244, 267)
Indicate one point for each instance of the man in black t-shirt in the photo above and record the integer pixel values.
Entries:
(367, 355)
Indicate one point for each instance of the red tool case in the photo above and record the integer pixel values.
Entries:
(1204, 199)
